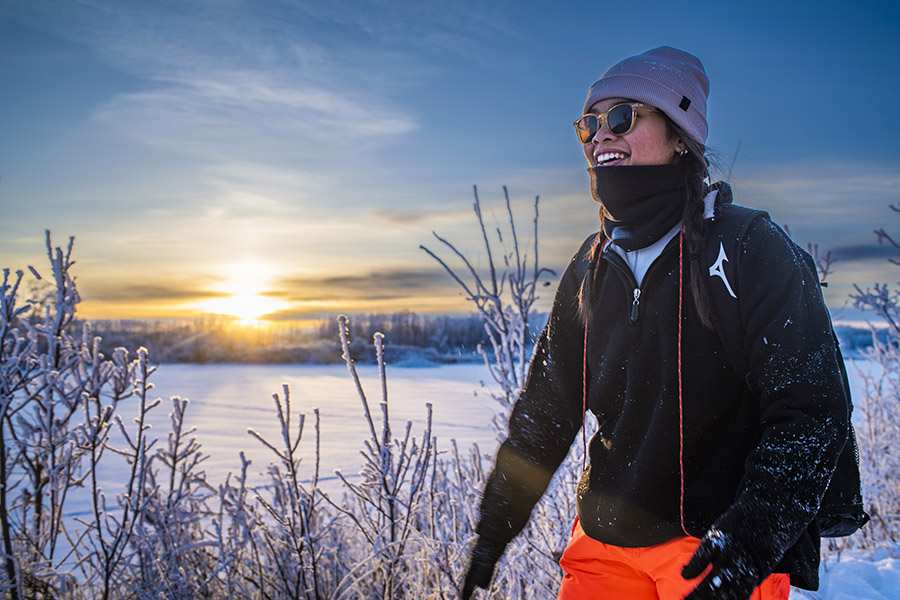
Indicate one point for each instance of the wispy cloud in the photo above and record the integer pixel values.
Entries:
(426, 216)
(455, 27)
(244, 115)
(237, 83)
(838, 188)
(375, 285)
(149, 291)
(863, 252)
(840, 201)
(421, 290)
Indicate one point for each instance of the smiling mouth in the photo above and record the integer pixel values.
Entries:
(609, 157)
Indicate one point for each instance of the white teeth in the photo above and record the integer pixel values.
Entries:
(608, 156)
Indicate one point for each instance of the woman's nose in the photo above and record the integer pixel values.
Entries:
(603, 133)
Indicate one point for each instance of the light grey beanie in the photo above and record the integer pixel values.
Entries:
(669, 79)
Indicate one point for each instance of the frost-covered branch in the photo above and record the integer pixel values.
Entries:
(387, 505)
(304, 568)
(877, 419)
(504, 300)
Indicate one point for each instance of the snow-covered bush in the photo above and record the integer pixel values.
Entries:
(877, 413)
(385, 509)
(76, 423)
(877, 416)
(58, 397)
(176, 556)
(504, 298)
(295, 548)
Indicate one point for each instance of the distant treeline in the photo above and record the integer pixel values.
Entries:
(409, 338)
(855, 340)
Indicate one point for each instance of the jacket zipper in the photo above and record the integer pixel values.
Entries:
(636, 305)
(628, 279)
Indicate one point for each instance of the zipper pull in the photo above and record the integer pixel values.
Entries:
(635, 304)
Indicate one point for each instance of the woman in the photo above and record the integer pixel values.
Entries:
(701, 483)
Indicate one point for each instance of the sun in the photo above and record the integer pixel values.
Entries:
(247, 308)
(245, 286)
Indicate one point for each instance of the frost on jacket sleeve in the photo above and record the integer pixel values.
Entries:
(543, 423)
(804, 412)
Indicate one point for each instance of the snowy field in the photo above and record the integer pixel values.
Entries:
(227, 400)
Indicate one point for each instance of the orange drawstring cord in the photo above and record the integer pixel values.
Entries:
(680, 397)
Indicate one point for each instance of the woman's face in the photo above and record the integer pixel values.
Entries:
(649, 143)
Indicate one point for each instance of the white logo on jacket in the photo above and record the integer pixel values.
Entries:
(717, 269)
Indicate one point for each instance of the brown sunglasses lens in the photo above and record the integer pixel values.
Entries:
(620, 118)
(586, 127)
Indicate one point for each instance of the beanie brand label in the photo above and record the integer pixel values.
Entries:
(685, 103)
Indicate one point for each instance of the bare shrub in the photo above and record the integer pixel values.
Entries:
(297, 554)
(878, 414)
(59, 395)
(504, 298)
(385, 507)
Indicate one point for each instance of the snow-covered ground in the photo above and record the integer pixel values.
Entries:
(226, 400)
(857, 576)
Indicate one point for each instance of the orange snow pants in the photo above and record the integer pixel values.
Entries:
(598, 571)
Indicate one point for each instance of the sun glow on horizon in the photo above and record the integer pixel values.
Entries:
(245, 285)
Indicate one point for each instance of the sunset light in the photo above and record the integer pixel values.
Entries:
(246, 284)
(247, 308)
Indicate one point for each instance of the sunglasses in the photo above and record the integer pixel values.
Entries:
(620, 120)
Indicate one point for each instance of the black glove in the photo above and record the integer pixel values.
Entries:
(484, 557)
(734, 574)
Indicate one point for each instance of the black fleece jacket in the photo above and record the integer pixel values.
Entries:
(757, 456)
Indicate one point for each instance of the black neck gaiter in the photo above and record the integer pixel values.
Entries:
(640, 203)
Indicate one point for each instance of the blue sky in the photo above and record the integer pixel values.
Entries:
(300, 152)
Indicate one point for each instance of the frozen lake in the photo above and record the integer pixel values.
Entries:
(227, 400)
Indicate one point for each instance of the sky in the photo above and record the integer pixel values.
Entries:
(287, 159)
